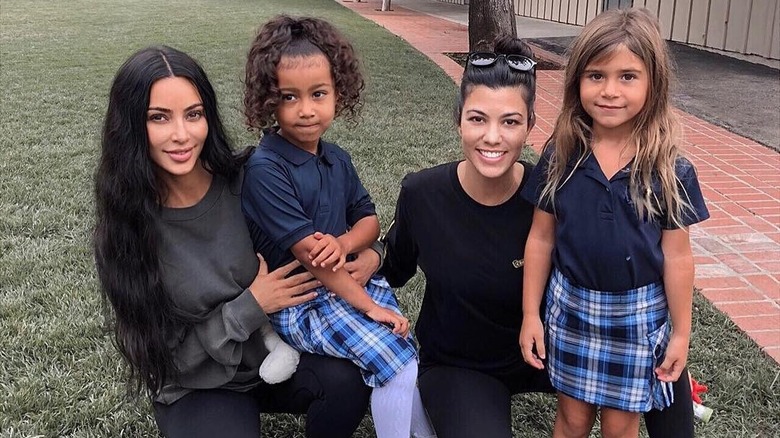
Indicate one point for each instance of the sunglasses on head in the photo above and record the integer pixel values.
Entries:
(515, 62)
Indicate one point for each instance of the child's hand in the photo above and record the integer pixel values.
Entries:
(532, 334)
(674, 362)
(327, 251)
(399, 323)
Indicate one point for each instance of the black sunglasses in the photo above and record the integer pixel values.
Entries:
(515, 62)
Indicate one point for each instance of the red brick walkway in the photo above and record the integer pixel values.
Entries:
(737, 250)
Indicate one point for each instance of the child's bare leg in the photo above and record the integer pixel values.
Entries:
(574, 418)
(619, 424)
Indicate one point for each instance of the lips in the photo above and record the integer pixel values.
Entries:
(491, 155)
(180, 155)
(312, 127)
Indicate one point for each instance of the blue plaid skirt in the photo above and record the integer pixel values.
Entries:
(603, 347)
(330, 326)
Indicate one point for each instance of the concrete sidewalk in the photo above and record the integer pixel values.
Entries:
(737, 250)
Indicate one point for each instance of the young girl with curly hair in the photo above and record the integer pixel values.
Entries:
(303, 200)
(609, 241)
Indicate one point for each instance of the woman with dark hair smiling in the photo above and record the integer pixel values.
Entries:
(465, 225)
(175, 262)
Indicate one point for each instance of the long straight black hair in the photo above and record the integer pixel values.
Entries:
(128, 201)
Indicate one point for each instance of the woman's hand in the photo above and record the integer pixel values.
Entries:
(398, 322)
(273, 292)
(532, 335)
(364, 266)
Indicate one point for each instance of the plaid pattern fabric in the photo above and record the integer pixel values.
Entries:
(330, 326)
(602, 347)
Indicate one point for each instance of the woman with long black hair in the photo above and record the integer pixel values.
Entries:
(175, 262)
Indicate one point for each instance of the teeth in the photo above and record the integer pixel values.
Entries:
(491, 154)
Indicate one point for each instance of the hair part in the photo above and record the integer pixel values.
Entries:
(128, 197)
(286, 36)
(656, 132)
(500, 75)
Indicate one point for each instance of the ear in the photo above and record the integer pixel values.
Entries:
(531, 121)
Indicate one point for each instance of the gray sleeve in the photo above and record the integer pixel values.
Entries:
(220, 335)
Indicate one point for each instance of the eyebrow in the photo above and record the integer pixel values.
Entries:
(313, 87)
(166, 110)
(515, 113)
(625, 70)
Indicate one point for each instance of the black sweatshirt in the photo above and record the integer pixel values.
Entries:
(472, 257)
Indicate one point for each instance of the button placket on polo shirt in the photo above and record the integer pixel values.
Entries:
(325, 196)
(606, 202)
(621, 195)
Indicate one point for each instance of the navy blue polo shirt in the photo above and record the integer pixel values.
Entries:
(600, 241)
(289, 193)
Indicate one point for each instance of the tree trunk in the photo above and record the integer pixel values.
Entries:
(385, 5)
(487, 20)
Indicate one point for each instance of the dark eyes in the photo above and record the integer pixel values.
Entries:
(193, 116)
(480, 119)
(623, 77)
(289, 97)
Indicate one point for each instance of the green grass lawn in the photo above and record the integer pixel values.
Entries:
(59, 372)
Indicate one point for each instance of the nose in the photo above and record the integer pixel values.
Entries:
(305, 109)
(610, 88)
(180, 132)
(492, 134)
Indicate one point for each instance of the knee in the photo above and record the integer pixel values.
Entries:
(572, 425)
(339, 396)
(341, 380)
(618, 431)
(574, 422)
(619, 424)
(407, 377)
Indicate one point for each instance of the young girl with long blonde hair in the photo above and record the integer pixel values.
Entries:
(609, 241)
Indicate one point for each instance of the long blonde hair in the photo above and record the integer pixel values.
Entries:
(656, 133)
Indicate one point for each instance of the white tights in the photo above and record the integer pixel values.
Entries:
(397, 408)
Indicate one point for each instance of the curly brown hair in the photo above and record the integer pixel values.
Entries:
(298, 37)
